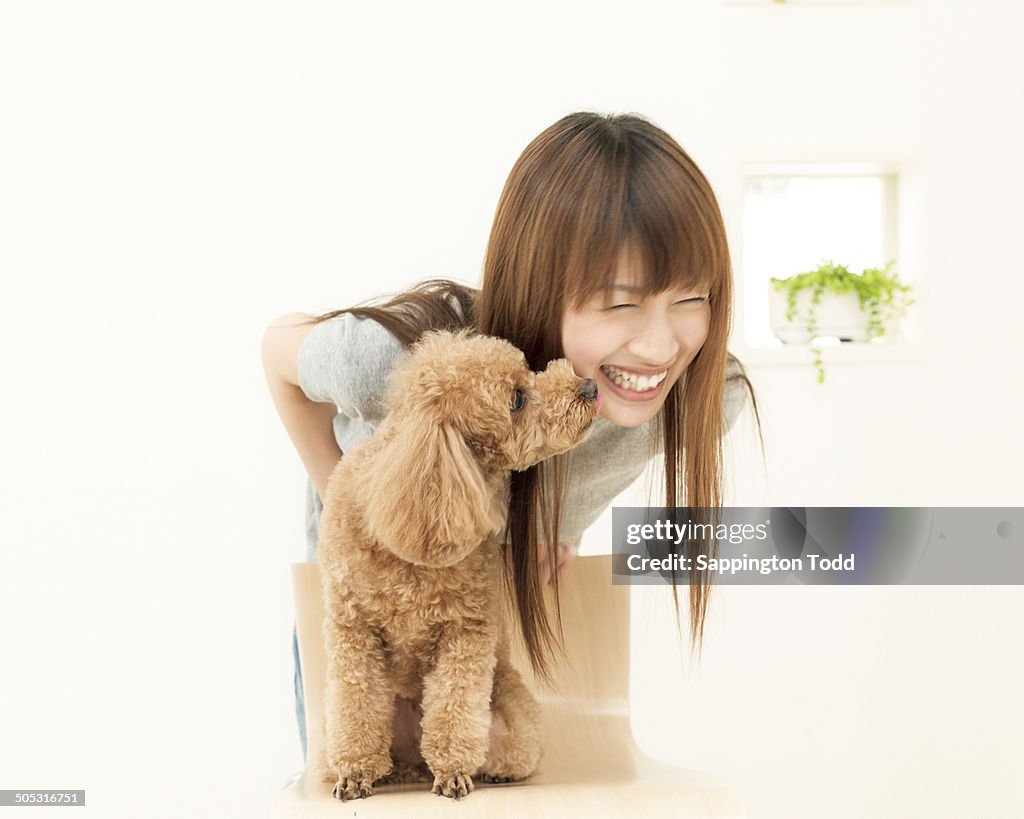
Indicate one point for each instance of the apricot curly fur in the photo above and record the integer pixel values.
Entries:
(411, 558)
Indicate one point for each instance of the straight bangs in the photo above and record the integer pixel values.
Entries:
(656, 206)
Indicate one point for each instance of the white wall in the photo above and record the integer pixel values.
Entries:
(174, 176)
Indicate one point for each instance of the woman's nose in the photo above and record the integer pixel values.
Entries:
(657, 344)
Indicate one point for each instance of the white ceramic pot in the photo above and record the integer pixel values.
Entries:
(838, 315)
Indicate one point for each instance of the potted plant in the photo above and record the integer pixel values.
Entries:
(832, 301)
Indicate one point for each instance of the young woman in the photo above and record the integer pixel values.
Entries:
(608, 249)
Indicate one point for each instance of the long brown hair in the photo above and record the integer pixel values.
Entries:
(583, 190)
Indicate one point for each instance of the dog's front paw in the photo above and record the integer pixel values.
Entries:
(454, 786)
(355, 777)
(347, 787)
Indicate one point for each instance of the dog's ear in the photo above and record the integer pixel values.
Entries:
(428, 500)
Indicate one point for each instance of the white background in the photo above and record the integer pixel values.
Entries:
(174, 176)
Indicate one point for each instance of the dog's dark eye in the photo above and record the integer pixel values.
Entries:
(518, 400)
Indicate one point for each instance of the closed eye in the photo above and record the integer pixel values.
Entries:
(683, 301)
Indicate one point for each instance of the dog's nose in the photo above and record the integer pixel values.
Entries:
(587, 390)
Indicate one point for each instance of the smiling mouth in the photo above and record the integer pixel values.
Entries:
(633, 382)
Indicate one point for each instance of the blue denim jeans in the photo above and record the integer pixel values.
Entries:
(300, 704)
(314, 508)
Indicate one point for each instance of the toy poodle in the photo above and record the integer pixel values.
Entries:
(410, 554)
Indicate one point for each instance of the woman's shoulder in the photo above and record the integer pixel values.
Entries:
(346, 360)
(737, 391)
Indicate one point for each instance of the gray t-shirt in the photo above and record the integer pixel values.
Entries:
(346, 361)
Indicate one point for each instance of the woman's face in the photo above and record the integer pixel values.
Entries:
(635, 348)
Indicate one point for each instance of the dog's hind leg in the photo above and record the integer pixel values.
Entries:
(516, 751)
(359, 706)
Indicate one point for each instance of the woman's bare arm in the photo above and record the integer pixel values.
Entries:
(309, 423)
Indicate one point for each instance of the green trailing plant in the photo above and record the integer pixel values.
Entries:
(879, 293)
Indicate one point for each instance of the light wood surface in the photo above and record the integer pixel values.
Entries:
(591, 766)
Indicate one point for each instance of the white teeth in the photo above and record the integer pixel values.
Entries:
(638, 383)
